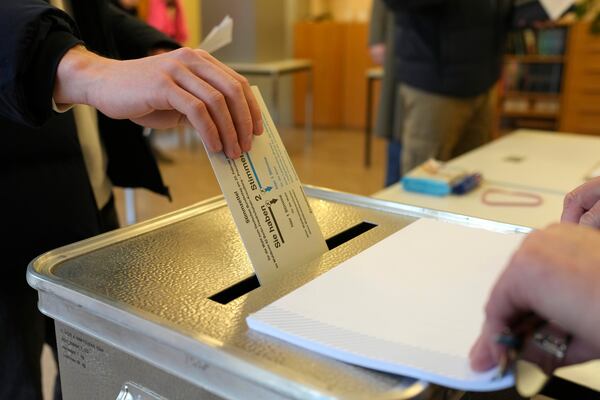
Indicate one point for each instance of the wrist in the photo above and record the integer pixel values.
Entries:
(77, 73)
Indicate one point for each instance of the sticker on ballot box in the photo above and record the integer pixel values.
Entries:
(268, 204)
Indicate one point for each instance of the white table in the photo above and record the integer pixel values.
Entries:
(543, 164)
(472, 204)
(274, 70)
(547, 161)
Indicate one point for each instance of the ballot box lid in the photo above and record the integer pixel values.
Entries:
(148, 290)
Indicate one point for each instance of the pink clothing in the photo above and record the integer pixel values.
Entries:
(171, 22)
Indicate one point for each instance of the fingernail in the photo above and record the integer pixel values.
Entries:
(258, 127)
(235, 151)
(482, 360)
(480, 357)
(245, 146)
(216, 147)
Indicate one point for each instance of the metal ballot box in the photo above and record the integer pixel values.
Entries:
(157, 310)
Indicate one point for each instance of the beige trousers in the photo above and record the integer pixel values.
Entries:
(442, 127)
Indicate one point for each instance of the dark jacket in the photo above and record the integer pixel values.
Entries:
(450, 47)
(46, 198)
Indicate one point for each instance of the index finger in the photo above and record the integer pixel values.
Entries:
(580, 200)
(250, 99)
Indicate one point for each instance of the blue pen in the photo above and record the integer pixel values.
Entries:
(467, 184)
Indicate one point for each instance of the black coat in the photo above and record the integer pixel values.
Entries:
(46, 199)
(450, 47)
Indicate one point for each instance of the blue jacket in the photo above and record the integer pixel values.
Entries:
(450, 47)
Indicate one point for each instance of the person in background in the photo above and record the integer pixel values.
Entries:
(60, 157)
(168, 17)
(555, 274)
(448, 58)
(381, 49)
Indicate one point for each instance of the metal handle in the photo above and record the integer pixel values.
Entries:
(133, 391)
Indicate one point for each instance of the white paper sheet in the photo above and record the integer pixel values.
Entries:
(556, 8)
(411, 305)
(219, 36)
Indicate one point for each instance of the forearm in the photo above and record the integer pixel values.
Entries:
(77, 74)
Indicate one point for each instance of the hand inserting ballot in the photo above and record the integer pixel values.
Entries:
(164, 90)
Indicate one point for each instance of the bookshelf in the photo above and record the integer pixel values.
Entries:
(580, 107)
(530, 89)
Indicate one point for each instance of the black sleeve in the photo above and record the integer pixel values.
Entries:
(35, 36)
(527, 12)
(412, 5)
(133, 37)
(378, 23)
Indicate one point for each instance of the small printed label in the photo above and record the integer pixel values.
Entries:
(76, 348)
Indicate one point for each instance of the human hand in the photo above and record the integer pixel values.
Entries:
(556, 275)
(582, 206)
(377, 52)
(164, 90)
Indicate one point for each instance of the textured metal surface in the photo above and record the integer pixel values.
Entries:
(170, 273)
(165, 270)
(94, 370)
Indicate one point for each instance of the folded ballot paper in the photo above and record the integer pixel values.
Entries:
(412, 304)
(219, 36)
(268, 204)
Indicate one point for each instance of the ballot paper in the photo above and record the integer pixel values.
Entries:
(556, 8)
(267, 202)
(219, 36)
(412, 304)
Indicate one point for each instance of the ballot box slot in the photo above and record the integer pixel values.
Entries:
(250, 283)
(236, 290)
(349, 234)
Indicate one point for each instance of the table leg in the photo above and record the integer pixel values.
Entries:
(368, 122)
(308, 111)
(130, 214)
(275, 96)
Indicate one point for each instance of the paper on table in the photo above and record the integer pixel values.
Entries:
(556, 8)
(411, 305)
(268, 204)
(219, 36)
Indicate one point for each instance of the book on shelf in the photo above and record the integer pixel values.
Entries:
(532, 77)
(546, 41)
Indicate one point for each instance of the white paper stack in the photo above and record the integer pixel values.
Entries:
(413, 304)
